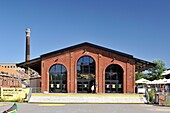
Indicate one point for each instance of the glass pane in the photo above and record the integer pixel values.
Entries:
(52, 77)
(64, 77)
(112, 69)
(92, 69)
(63, 69)
(59, 76)
(58, 68)
(86, 69)
(80, 61)
(78, 69)
(107, 76)
(91, 61)
(107, 69)
(86, 60)
(113, 76)
(52, 70)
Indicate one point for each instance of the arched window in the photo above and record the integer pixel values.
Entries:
(85, 74)
(114, 79)
(58, 79)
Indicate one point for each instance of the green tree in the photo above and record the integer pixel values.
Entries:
(140, 75)
(155, 72)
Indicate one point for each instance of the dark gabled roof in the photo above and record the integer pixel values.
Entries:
(88, 44)
(35, 61)
(140, 64)
(33, 64)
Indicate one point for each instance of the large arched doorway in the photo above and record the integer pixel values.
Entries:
(58, 79)
(114, 79)
(86, 75)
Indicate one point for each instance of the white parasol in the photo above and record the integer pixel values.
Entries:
(142, 80)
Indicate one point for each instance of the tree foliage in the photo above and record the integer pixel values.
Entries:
(140, 75)
(153, 73)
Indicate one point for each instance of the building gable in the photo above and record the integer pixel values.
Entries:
(88, 47)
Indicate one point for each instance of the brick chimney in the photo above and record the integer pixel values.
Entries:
(27, 57)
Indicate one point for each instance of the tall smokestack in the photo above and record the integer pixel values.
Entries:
(27, 57)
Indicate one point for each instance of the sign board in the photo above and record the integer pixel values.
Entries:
(15, 94)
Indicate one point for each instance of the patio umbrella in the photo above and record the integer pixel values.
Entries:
(153, 82)
(142, 80)
(168, 81)
(160, 81)
(167, 72)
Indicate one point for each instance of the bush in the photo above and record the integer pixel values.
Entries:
(167, 101)
(151, 96)
(1, 100)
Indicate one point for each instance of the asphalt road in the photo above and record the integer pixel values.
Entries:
(86, 108)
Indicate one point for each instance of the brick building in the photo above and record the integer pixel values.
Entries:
(77, 68)
(12, 66)
(10, 77)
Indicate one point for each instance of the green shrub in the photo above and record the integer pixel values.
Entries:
(151, 96)
(1, 100)
(167, 101)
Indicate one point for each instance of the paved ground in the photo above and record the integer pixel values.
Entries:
(86, 108)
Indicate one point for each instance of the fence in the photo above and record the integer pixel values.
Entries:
(167, 100)
(36, 89)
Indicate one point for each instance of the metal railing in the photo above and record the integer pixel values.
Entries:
(36, 89)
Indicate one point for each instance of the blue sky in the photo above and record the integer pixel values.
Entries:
(137, 27)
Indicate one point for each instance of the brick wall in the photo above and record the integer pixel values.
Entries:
(8, 82)
(102, 59)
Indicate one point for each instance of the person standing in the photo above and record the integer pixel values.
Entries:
(92, 88)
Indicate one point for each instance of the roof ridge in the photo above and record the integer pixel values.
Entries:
(88, 44)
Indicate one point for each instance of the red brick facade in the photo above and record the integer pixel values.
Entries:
(6, 81)
(102, 59)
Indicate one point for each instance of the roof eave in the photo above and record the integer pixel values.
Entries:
(87, 44)
(30, 62)
(142, 65)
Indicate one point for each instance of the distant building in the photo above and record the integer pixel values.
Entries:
(11, 78)
(12, 66)
(10, 72)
